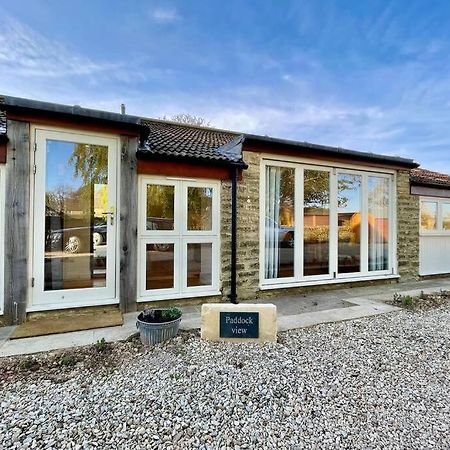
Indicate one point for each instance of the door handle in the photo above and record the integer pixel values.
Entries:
(111, 216)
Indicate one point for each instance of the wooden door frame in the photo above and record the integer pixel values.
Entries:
(2, 237)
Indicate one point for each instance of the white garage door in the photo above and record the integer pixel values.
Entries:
(434, 236)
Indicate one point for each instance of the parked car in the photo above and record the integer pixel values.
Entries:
(77, 239)
(285, 233)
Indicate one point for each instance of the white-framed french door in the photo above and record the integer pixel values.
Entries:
(324, 223)
(2, 237)
(74, 207)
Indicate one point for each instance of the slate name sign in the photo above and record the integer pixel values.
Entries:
(239, 325)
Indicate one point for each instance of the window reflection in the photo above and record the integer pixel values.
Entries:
(199, 264)
(349, 223)
(76, 203)
(428, 215)
(316, 222)
(279, 222)
(378, 223)
(160, 207)
(159, 266)
(446, 216)
(199, 208)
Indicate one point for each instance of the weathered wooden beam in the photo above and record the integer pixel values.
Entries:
(128, 224)
(17, 221)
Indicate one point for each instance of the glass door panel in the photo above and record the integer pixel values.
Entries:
(76, 215)
(378, 222)
(160, 262)
(74, 230)
(279, 222)
(349, 223)
(316, 217)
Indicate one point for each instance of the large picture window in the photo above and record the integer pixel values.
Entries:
(179, 238)
(325, 223)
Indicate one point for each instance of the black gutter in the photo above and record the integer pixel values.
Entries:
(73, 113)
(233, 294)
(17, 103)
(331, 151)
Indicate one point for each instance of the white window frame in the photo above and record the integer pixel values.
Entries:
(180, 236)
(2, 237)
(300, 164)
(439, 231)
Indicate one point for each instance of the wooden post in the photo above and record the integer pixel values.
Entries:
(128, 224)
(17, 221)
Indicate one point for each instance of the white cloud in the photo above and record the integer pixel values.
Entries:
(164, 15)
(24, 52)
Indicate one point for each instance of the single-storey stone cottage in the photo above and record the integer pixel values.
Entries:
(99, 208)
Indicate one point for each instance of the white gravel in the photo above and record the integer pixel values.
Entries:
(377, 383)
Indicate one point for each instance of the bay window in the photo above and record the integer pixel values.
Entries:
(324, 223)
(178, 238)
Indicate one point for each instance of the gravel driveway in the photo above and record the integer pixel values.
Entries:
(376, 383)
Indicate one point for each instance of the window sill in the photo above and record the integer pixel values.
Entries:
(264, 287)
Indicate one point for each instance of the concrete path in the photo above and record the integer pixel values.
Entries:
(293, 312)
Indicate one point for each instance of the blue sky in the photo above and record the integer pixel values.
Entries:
(370, 75)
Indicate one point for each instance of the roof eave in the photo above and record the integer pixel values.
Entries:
(23, 105)
(429, 184)
(145, 155)
(328, 150)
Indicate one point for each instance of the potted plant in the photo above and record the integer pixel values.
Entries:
(156, 325)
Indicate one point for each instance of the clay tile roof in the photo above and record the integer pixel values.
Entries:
(430, 178)
(172, 140)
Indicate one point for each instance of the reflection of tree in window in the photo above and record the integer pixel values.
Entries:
(446, 216)
(199, 208)
(349, 223)
(316, 190)
(160, 207)
(90, 163)
(287, 189)
(428, 215)
(378, 223)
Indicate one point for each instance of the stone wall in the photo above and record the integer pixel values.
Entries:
(408, 214)
(248, 229)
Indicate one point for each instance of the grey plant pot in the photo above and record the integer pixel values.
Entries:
(155, 333)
